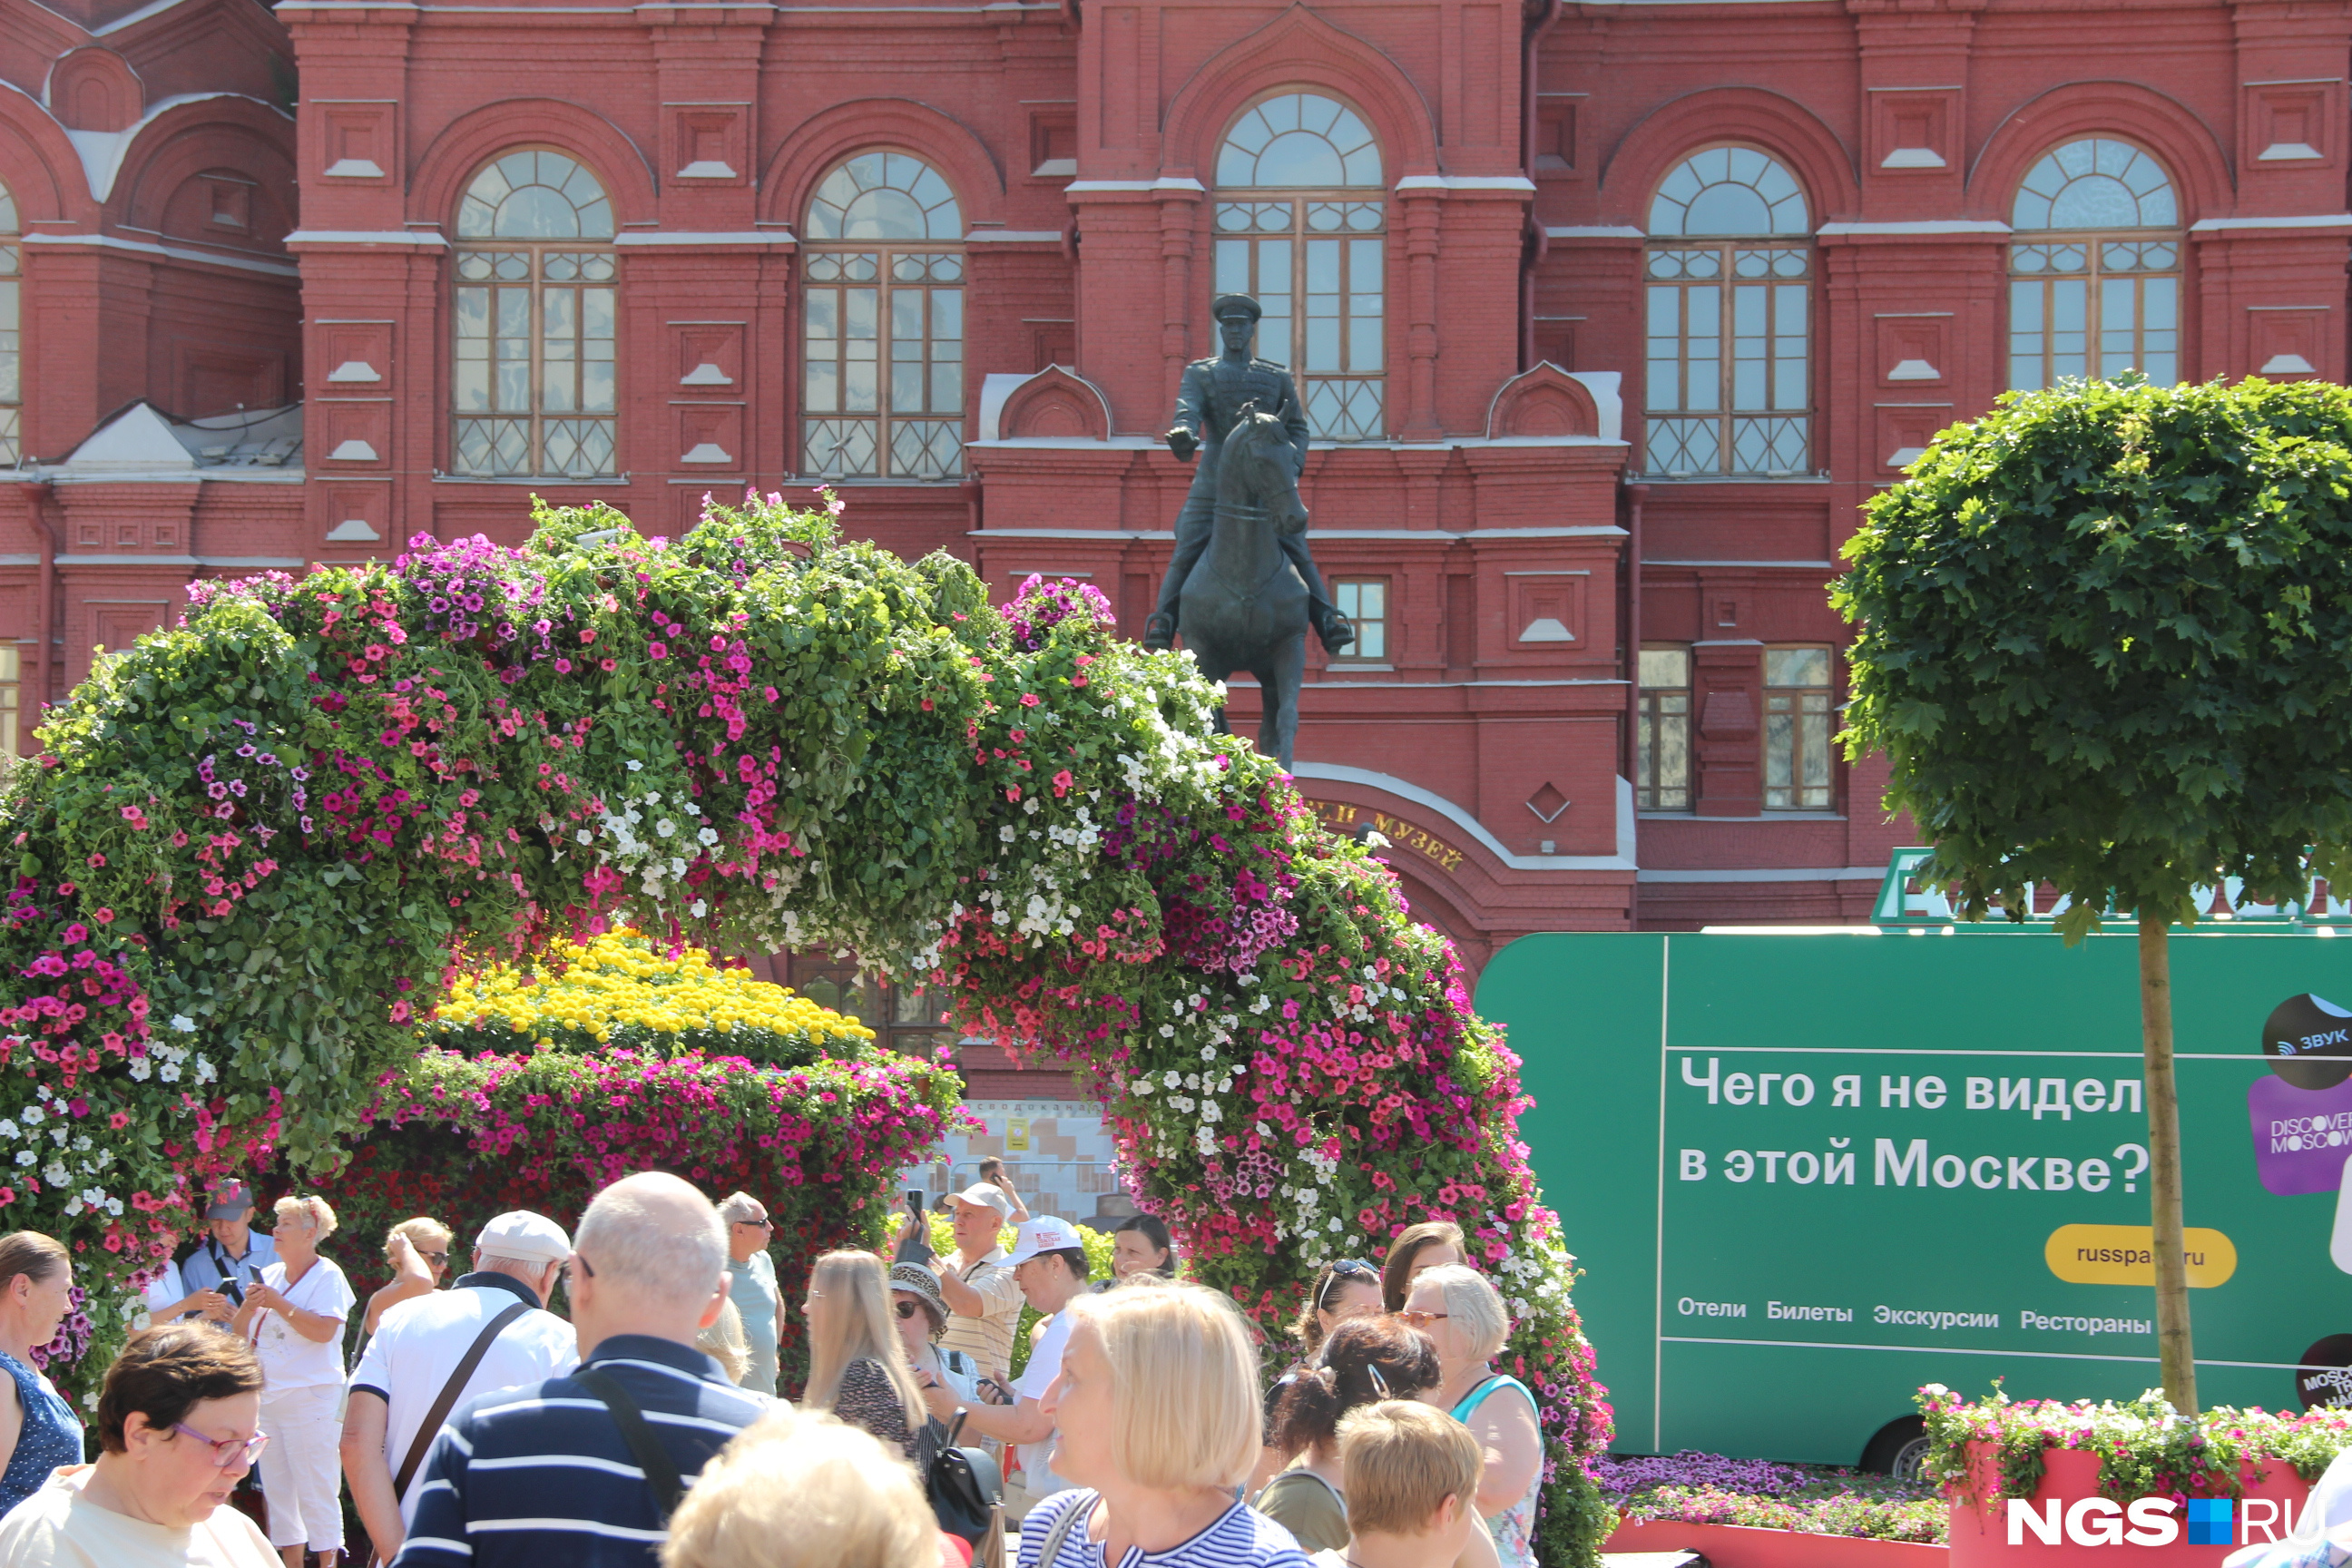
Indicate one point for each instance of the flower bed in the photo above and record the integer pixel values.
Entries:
(2051, 1457)
(804, 1112)
(1692, 1488)
(254, 846)
(2142, 1448)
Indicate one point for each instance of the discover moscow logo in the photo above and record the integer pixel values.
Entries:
(2146, 1521)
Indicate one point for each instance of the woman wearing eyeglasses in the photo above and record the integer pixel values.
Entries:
(178, 1426)
(1465, 1318)
(418, 1251)
(855, 1368)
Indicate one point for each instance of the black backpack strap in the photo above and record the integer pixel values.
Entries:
(431, 1428)
(661, 1470)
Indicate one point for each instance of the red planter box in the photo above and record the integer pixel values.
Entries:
(1740, 1546)
(1981, 1537)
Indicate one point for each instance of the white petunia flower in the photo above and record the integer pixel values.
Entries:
(182, 1022)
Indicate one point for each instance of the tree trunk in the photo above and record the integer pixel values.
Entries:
(2163, 1163)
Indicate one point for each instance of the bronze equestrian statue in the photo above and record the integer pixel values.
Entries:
(1213, 393)
(1243, 606)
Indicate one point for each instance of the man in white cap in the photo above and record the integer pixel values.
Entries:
(432, 1354)
(232, 1255)
(1049, 1261)
(979, 1289)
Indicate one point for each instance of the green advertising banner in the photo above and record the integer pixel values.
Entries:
(1806, 1171)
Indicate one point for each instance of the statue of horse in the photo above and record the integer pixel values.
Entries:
(1244, 605)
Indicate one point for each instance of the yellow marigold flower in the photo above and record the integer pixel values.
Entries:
(623, 984)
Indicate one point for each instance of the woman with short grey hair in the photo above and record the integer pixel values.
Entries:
(1463, 1317)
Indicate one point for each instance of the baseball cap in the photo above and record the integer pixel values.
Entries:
(1047, 1233)
(986, 1194)
(231, 1199)
(525, 1236)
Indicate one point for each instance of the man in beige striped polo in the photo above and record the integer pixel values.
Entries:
(979, 1285)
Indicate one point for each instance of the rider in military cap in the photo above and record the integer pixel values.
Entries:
(1207, 404)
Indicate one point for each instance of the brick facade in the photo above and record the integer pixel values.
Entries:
(1525, 494)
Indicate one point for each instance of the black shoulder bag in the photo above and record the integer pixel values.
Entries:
(661, 1470)
(964, 1484)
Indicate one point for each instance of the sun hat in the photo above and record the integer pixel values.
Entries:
(917, 1280)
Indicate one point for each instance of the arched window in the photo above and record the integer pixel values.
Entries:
(1729, 318)
(2096, 289)
(1295, 228)
(532, 388)
(11, 386)
(882, 379)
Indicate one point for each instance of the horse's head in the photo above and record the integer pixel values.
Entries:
(1259, 448)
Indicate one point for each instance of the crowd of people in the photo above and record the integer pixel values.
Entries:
(474, 1427)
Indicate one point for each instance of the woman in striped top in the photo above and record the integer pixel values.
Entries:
(1156, 1419)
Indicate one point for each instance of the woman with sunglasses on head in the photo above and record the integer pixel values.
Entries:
(178, 1426)
(1465, 1318)
(418, 1251)
(857, 1369)
(1348, 1289)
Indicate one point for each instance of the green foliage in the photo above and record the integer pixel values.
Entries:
(257, 847)
(2105, 643)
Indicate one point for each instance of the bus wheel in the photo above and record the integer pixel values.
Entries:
(1897, 1448)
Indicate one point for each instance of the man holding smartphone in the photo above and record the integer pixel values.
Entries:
(980, 1292)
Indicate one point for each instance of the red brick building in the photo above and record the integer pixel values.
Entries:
(1608, 315)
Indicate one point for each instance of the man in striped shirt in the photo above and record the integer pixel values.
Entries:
(542, 1473)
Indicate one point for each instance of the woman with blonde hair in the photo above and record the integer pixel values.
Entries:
(856, 1370)
(294, 1316)
(1156, 1421)
(802, 1492)
(725, 1343)
(418, 1251)
(1463, 1317)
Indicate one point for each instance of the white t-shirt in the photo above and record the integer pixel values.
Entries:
(56, 1527)
(419, 1342)
(1045, 1365)
(288, 1360)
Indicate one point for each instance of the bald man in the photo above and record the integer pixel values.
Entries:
(541, 1473)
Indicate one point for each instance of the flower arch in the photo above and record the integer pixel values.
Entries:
(253, 845)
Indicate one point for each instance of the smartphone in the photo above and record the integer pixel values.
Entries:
(914, 1247)
(234, 1288)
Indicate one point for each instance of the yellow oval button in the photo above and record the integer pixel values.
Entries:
(2125, 1255)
